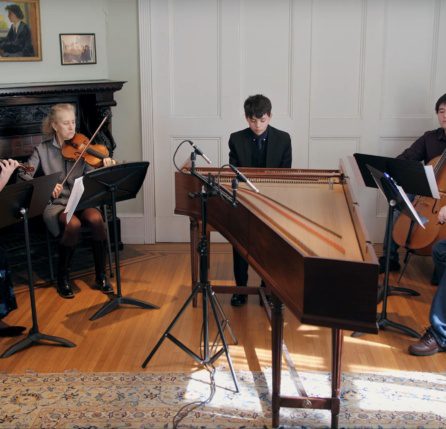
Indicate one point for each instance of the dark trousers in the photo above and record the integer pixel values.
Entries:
(438, 306)
(240, 269)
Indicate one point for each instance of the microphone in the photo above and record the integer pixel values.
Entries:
(199, 151)
(242, 178)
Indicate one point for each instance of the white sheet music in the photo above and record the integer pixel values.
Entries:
(76, 194)
(429, 170)
(411, 207)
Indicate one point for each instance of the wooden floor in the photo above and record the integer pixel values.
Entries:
(121, 340)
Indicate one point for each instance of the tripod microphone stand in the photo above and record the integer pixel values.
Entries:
(209, 189)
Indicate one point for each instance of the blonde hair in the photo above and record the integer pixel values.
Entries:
(47, 124)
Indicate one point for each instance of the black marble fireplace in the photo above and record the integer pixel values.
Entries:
(24, 105)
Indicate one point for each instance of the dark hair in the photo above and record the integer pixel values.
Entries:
(15, 9)
(440, 101)
(257, 106)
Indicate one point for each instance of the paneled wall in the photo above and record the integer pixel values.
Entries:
(344, 76)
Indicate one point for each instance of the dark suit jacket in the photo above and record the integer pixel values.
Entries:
(278, 153)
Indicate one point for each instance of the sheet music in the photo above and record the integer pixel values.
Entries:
(429, 169)
(76, 194)
(410, 206)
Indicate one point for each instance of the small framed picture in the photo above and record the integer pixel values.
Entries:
(77, 49)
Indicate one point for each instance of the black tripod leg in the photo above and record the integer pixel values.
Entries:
(405, 290)
(105, 309)
(116, 301)
(36, 338)
(223, 339)
(172, 324)
(384, 323)
(138, 303)
(225, 322)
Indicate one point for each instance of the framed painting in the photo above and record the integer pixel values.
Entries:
(77, 49)
(20, 31)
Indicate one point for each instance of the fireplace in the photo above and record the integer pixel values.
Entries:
(23, 106)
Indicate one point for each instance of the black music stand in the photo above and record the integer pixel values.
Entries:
(209, 189)
(397, 199)
(22, 201)
(109, 185)
(411, 175)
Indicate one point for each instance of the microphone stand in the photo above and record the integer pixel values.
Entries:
(209, 189)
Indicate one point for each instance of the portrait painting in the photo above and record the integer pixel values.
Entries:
(77, 49)
(20, 31)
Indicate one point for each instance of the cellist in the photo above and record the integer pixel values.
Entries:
(60, 126)
(430, 145)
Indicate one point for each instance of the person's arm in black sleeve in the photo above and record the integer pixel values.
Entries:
(233, 157)
(287, 157)
(416, 151)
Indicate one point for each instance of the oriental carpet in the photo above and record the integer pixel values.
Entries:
(398, 399)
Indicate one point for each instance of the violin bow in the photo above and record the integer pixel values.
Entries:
(84, 149)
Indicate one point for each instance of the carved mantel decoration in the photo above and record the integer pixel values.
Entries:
(23, 107)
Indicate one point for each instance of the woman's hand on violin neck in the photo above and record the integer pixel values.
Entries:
(57, 190)
(108, 162)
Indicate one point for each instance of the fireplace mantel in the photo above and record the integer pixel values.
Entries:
(23, 107)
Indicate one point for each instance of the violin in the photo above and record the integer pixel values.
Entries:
(79, 146)
(24, 167)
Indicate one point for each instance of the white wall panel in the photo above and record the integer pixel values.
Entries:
(266, 61)
(195, 57)
(326, 152)
(344, 76)
(409, 58)
(337, 58)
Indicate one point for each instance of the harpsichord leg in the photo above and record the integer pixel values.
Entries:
(277, 339)
(336, 372)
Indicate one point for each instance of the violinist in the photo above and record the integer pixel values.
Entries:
(430, 145)
(7, 297)
(60, 127)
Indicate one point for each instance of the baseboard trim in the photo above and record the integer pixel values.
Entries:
(132, 228)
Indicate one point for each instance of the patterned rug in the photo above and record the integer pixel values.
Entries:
(151, 400)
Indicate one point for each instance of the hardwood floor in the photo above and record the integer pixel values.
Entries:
(121, 340)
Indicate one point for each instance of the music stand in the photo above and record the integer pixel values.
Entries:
(110, 185)
(413, 176)
(397, 199)
(22, 201)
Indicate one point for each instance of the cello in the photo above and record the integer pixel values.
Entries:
(408, 234)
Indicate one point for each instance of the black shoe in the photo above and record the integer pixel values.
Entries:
(394, 265)
(238, 300)
(12, 331)
(103, 285)
(64, 288)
